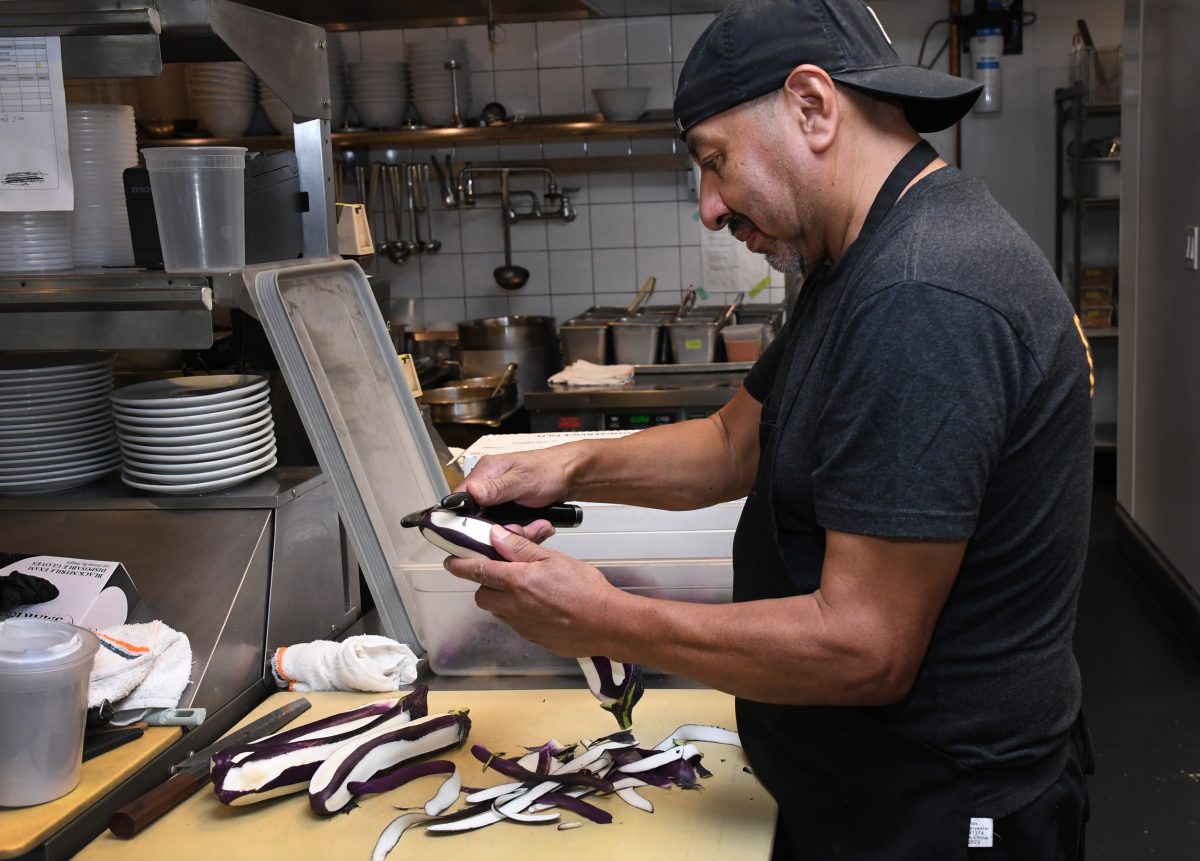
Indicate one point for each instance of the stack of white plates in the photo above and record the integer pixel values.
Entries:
(194, 434)
(277, 112)
(223, 96)
(34, 242)
(56, 429)
(103, 142)
(432, 93)
(378, 92)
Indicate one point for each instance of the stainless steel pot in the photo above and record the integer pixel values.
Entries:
(507, 333)
(488, 345)
(462, 403)
(508, 392)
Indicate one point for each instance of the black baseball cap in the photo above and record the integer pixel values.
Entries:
(753, 45)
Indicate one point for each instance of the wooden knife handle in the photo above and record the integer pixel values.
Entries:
(140, 812)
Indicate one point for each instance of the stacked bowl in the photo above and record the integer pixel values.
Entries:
(378, 92)
(337, 83)
(32, 242)
(279, 115)
(223, 96)
(432, 86)
(103, 142)
(56, 428)
(194, 434)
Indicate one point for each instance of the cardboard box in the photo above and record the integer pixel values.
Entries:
(91, 593)
(1098, 276)
(1098, 318)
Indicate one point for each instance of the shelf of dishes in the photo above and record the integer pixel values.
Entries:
(587, 126)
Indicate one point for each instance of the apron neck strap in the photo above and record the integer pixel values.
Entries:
(916, 160)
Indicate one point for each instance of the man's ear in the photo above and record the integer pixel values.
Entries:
(811, 95)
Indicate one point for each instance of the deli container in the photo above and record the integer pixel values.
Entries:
(44, 669)
(744, 342)
(671, 555)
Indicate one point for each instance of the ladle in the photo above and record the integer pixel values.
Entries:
(393, 182)
(433, 246)
(505, 378)
(508, 276)
(396, 252)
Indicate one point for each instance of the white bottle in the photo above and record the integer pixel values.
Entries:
(987, 47)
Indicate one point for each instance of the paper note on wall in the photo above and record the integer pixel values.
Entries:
(729, 267)
(35, 166)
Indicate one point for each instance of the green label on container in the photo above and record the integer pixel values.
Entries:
(692, 344)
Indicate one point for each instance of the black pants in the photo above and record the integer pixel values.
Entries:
(1050, 828)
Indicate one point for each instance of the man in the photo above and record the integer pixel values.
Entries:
(916, 449)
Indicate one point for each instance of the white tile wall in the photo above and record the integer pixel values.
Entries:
(629, 224)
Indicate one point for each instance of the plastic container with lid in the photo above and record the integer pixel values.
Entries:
(44, 669)
(744, 342)
(199, 203)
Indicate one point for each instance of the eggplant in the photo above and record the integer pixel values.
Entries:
(617, 686)
(460, 535)
(285, 762)
(367, 754)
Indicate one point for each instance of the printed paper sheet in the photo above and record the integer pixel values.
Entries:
(35, 166)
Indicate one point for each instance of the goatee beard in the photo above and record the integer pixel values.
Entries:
(780, 257)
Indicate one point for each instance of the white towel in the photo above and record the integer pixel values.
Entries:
(140, 667)
(584, 373)
(363, 663)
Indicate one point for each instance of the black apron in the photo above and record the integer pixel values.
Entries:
(848, 786)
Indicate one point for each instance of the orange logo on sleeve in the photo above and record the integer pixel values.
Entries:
(1087, 349)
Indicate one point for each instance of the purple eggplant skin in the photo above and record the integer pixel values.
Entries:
(452, 539)
(319, 797)
(576, 805)
(297, 777)
(396, 778)
(509, 768)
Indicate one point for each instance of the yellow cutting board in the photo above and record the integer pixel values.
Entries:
(732, 818)
(22, 828)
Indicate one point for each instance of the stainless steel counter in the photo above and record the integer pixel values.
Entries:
(648, 399)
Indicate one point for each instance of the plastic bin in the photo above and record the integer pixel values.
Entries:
(674, 555)
(44, 669)
(743, 342)
(199, 204)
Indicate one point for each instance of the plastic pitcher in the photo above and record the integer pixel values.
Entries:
(44, 669)
(200, 206)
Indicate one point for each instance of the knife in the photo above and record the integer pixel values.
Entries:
(193, 772)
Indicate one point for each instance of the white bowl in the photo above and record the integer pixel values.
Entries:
(225, 119)
(278, 115)
(621, 104)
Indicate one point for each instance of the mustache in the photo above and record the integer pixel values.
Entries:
(737, 222)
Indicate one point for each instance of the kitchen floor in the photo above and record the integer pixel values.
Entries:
(1141, 694)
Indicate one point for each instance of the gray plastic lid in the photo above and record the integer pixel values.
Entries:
(37, 645)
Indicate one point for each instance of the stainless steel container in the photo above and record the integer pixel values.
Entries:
(693, 341)
(584, 338)
(636, 340)
(507, 333)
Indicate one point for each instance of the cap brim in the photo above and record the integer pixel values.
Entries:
(932, 100)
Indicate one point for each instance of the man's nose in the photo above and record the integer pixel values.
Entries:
(713, 211)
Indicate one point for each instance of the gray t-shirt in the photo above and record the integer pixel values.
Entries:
(950, 398)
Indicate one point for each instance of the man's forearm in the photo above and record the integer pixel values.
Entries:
(687, 465)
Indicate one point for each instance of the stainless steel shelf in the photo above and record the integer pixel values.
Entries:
(586, 126)
(106, 310)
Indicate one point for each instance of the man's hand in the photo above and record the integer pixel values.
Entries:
(533, 479)
(549, 598)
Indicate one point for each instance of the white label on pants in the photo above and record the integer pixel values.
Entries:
(980, 834)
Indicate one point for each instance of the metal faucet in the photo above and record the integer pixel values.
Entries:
(460, 191)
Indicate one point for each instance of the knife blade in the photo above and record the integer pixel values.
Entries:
(193, 772)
